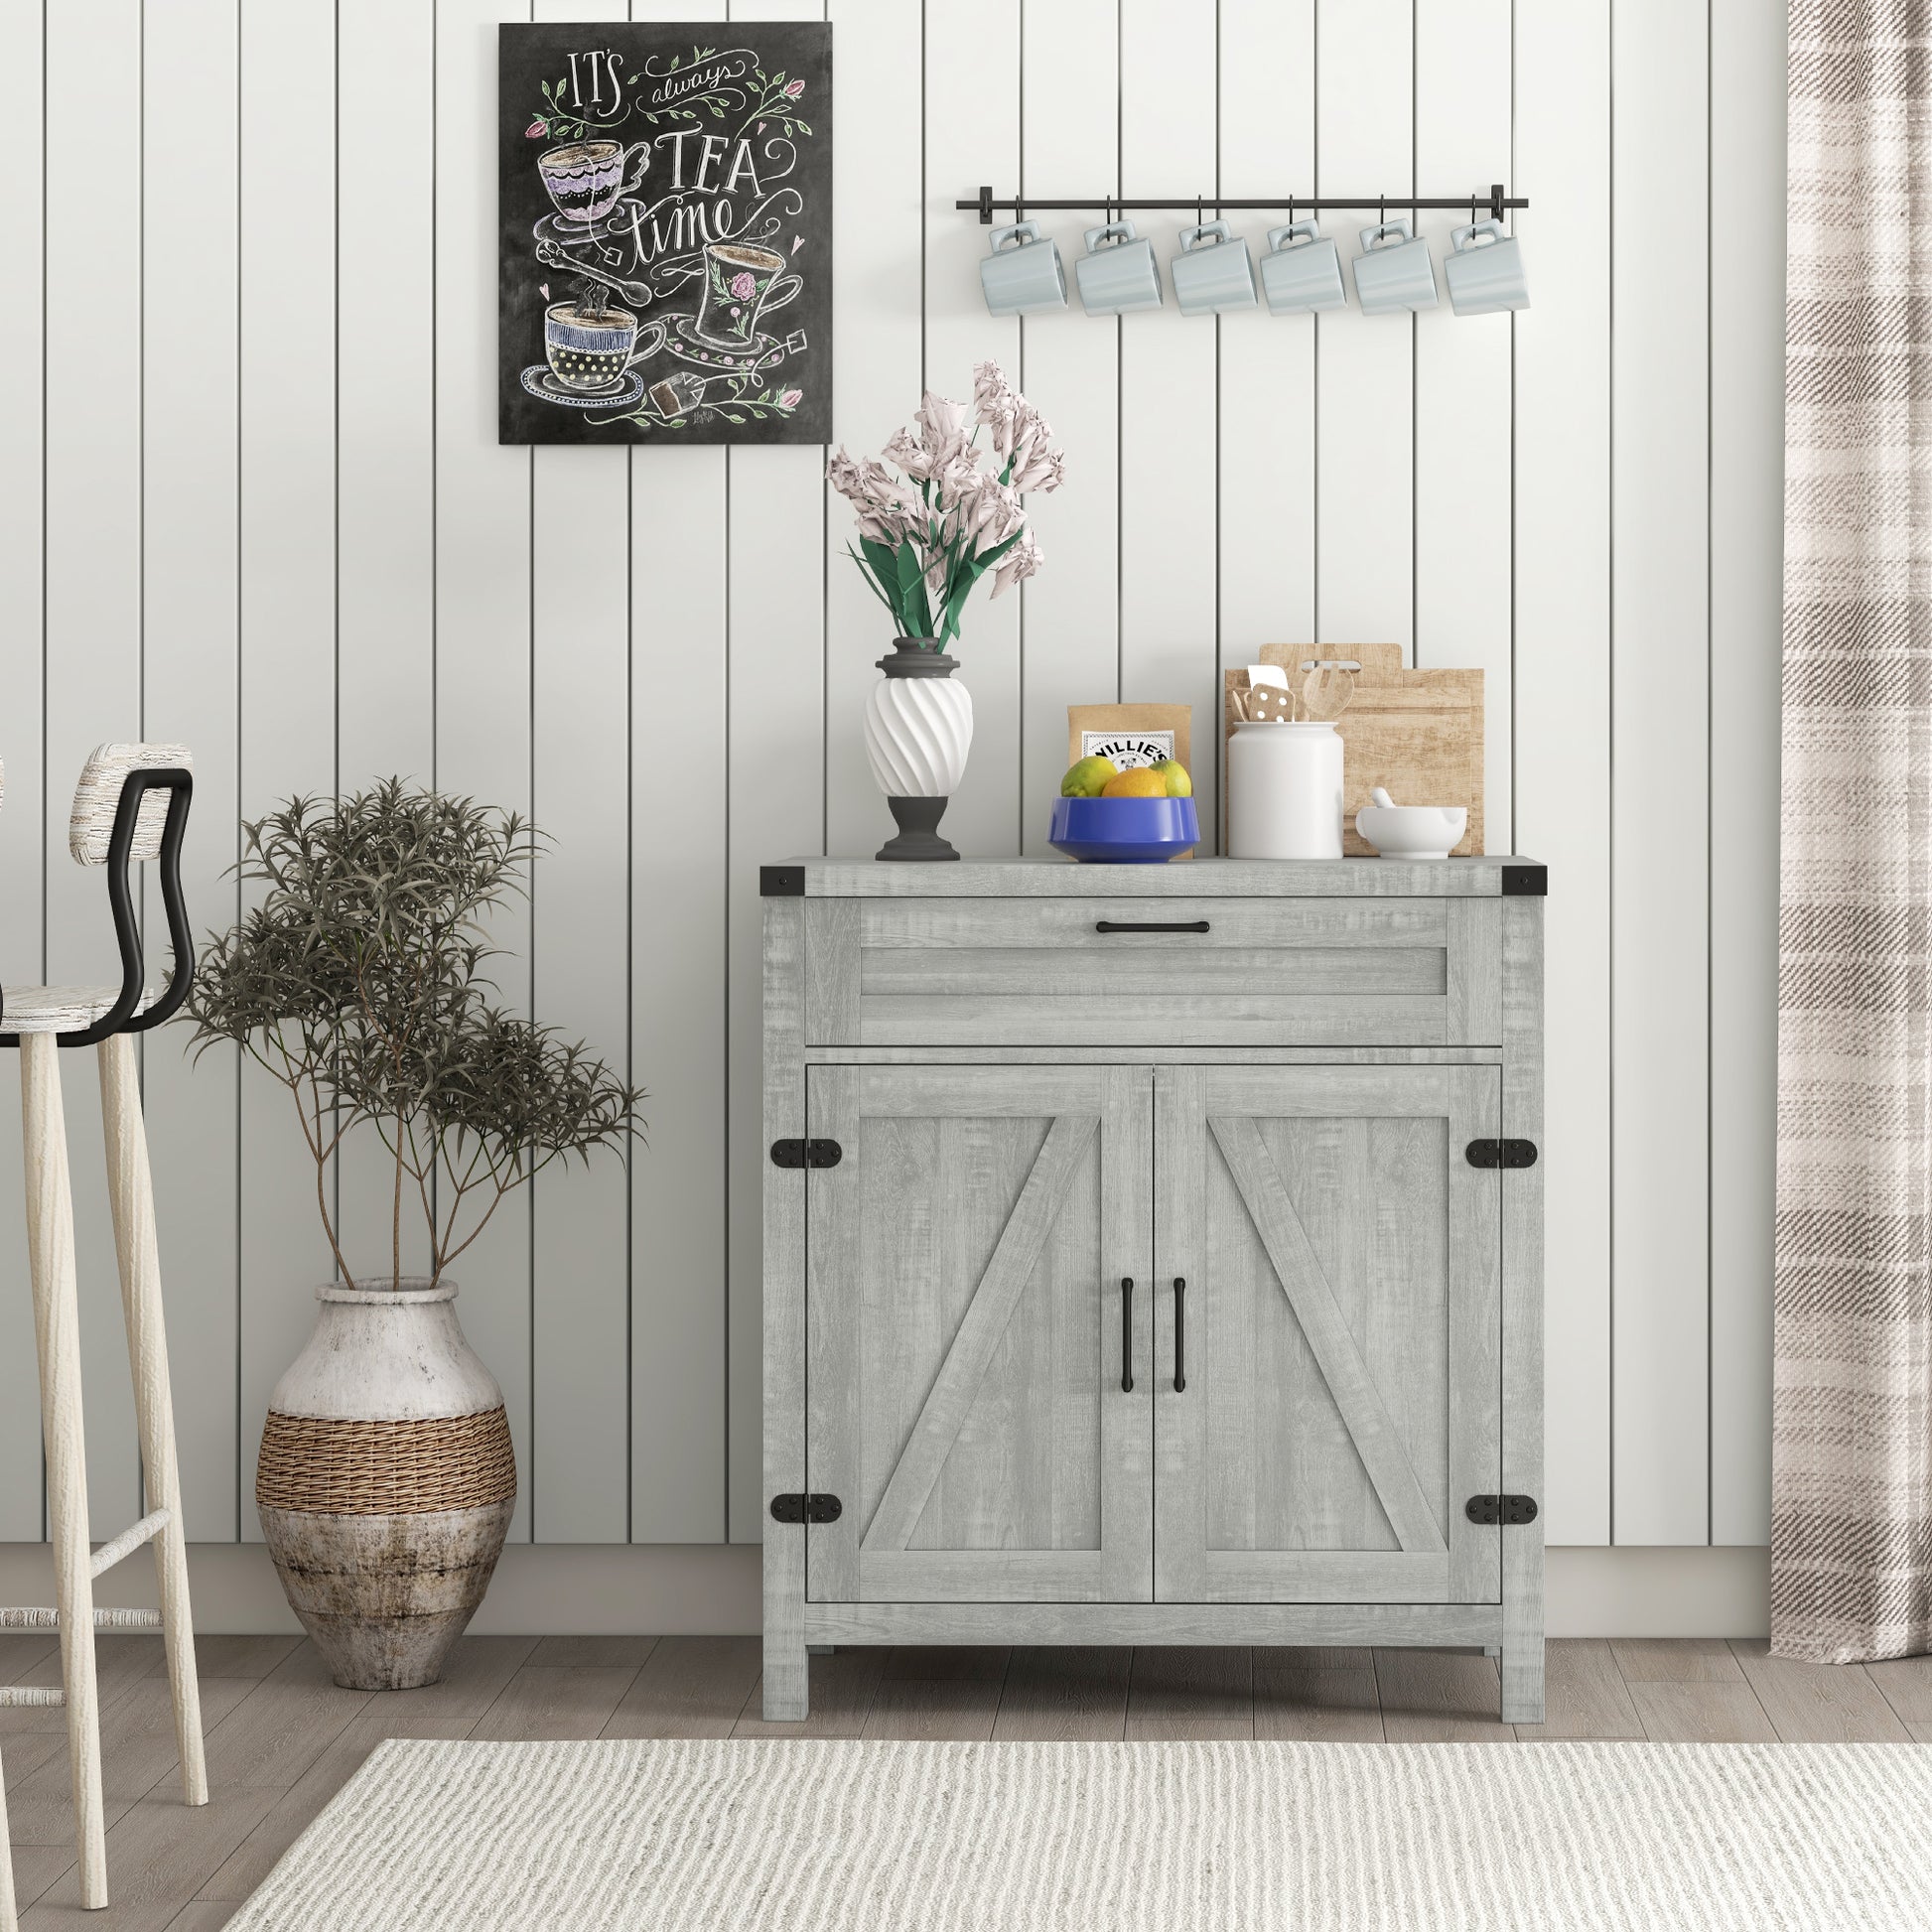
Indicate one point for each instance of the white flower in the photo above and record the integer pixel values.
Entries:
(1020, 563)
(908, 455)
(1041, 470)
(942, 425)
(992, 392)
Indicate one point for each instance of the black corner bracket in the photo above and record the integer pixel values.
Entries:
(781, 882)
(1526, 881)
(796, 1508)
(806, 1154)
(1508, 1512)
(1500, 1154)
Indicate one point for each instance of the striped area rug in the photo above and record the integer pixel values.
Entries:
(1157, 1837)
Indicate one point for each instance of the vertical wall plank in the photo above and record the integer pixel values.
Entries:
(1267, 382)
(1169, 370)
(23, 843)
(1660, 775)
(92, 675)
(189, 565)
(677, 984)
(876, 354)
(972, 55)
(387, 111)
(1069, 368)
(776, 759)
(1562, 696)
(482, 613)
(1747, 101)
(579, 960)
(1463, 477)
(1364, 364)
(385, 243)
(288, 610)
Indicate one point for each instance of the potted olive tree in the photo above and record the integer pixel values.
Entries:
(386, 1477)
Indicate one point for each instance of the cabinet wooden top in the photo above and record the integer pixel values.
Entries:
(1486, 878)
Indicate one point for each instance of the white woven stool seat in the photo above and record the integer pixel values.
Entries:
(60, 1009)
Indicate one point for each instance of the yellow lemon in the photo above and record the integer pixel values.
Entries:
(1179, 785)
(1085, 780)
(1143, 781)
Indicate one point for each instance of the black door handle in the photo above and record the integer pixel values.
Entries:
(1126, 1334)
(1179, 1333)
(1158, 926)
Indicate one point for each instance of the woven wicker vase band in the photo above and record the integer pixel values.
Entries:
(331, 1467)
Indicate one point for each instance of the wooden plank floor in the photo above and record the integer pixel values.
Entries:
(283, 1739)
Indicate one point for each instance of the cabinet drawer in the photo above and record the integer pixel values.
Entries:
(1154, 972)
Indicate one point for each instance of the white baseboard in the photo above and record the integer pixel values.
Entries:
(678, 1589)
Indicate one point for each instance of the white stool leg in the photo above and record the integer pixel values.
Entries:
(56, 1330)
(130, 1189)
(9, 1912)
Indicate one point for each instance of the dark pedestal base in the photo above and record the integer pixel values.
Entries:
(918, 837)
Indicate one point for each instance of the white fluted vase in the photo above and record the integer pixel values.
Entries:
(918, 728)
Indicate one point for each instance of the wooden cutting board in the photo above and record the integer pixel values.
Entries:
(1417, 731)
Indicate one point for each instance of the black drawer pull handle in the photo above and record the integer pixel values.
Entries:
(1158, 926)
(1179, 1333)
(1126, 1334)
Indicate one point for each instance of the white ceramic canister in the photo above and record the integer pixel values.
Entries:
(1285, 791)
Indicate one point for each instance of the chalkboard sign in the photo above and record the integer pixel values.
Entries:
(665, 233)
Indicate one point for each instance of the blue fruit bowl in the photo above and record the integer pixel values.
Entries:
(1123, 831)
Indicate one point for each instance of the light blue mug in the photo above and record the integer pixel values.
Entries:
(1210, 275)
(1301, 274)
(1025, 278)
(1119, 273)
(1394, 273)
(1485, 276)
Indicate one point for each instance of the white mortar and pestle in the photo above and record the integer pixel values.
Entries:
(1411, 831)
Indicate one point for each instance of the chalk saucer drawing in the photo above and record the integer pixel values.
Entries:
(664, 268)
(542, 383)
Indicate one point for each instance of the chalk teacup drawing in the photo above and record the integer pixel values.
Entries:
(590, 351)
(587, 177)
(742, 283)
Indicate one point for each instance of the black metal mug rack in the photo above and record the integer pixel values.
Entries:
(1494, 201)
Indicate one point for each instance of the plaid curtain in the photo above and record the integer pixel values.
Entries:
(1851, 1483)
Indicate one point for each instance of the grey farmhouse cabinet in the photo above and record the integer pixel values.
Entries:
(1154, 1255)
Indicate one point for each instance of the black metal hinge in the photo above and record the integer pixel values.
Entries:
(1526, 881)
(796, 1508)
(806, 1154)
(1508, 1511)
(781, 882)
(1501, 1154)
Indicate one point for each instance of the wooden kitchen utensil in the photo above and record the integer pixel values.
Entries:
(1327, 691)
(1418, 733)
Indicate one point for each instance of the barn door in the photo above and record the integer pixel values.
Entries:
(969, 1334)
(1340, 1334)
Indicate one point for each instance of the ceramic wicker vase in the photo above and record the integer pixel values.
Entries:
(386, 1483)
(918, 728)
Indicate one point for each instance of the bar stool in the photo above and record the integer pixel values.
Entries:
(131, 804)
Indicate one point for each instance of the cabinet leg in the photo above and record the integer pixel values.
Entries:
(788, 1678)
(1522, 1674)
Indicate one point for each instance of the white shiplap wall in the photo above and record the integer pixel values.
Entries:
(274, 521)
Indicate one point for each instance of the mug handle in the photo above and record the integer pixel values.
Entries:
(1028, 230)
(1374, 236)
(1308, 228)
(659, 333)
(1218, 230)
(630, 186)
(792, 286)
(1459, 239)
(1095, 236)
